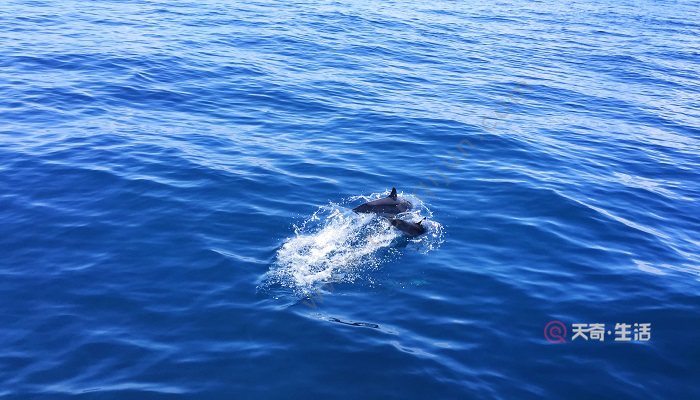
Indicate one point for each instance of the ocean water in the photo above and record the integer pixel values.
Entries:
(176, 180)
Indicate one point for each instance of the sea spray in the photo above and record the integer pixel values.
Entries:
(335, 244)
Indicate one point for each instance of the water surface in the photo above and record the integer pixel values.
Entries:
(176, 179)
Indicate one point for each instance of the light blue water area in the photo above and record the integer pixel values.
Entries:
(176, 180)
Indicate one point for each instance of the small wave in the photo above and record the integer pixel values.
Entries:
(337, 245)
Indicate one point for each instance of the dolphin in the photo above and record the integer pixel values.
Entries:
(387, 207)
(411, 229)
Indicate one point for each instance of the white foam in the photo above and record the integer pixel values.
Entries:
(337, 245)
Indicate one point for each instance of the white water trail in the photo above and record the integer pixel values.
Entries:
(337, 245)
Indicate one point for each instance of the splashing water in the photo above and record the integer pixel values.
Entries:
(337, 245)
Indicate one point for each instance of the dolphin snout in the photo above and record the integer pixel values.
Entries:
(362, 208)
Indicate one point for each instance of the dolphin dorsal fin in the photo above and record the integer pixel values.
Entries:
(421, 221)
(393, 194)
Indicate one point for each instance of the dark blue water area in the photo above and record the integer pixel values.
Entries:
(176, 180)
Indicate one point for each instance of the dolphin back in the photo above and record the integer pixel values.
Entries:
(388, 206)
(411, 229)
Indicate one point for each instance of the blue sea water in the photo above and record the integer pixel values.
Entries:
(176, 181)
